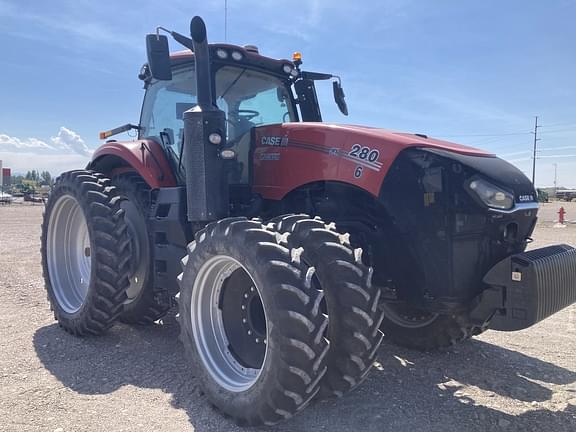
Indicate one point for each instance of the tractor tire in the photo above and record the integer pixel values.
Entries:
(251, 322)
(85, 252)
(351, 300)
(413, 328)
(143, 305)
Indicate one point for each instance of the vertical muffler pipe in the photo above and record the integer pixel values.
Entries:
(206, 179)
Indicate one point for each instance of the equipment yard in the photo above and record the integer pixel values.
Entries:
(135, 378)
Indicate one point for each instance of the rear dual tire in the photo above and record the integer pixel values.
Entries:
(239, 264)
(85, 252)
(143, 304)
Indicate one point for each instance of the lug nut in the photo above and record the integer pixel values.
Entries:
(249, 332)
(246, 295)
(244, 320)
(243, 307)
(257, 340)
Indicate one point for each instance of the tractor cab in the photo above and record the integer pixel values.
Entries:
(251, 90)
(249, 93)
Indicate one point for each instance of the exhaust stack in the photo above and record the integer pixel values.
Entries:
(204, 138)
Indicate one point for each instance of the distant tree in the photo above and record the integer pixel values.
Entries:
(46, 178)
(32, 175)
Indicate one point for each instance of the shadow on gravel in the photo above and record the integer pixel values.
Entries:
(411, 391)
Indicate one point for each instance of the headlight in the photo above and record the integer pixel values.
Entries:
(237, 55)
(215, 138)
(491, 195)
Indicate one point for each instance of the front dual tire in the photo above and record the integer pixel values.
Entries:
(251, 322)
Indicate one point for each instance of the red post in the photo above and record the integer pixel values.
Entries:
(561, 214)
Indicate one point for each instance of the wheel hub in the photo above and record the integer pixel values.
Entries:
(229, 323)
(139, 259)
(244, 320)
(408, 316)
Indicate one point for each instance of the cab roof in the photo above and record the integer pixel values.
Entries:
(250, 57)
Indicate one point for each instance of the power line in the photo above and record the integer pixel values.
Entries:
(483, 135)
(559, 124)
(559, 130)
(557, 148)
(508, 133)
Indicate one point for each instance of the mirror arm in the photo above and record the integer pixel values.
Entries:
(180, 38)
(119, 130)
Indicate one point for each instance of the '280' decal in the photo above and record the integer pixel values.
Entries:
(364, 157)
(364, 153)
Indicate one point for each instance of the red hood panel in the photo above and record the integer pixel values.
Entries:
(291, 155)
(384, 137)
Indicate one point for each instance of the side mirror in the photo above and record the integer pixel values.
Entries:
(339, 97)
(158, 57)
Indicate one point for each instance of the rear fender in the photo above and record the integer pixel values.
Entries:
(146, 157)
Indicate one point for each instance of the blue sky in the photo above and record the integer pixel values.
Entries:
(471, 72)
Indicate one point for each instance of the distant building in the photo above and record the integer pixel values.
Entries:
(566, 194)
(6, 176)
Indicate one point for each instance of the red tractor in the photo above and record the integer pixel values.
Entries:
(290, 245)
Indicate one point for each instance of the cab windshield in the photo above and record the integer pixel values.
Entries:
(248, 98)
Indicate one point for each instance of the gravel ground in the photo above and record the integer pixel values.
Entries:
(136, 378)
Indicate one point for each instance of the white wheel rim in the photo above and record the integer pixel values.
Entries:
(208, 327)
(69, 254)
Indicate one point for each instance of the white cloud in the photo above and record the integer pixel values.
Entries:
(66, 142)
(65, 151)
(8, 143)
(70, 140)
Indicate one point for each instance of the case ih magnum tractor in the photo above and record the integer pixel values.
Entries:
(290, 245)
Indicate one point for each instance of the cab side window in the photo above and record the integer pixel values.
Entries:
(164, 104)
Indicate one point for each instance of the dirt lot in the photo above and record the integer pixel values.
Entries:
(136, 378)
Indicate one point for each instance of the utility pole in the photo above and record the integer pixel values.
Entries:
(534, 156)
(555, 179)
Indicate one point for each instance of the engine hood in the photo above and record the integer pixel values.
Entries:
(341, 135)
(289, 155)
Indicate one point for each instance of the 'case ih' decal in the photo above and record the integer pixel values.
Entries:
(277, 141)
